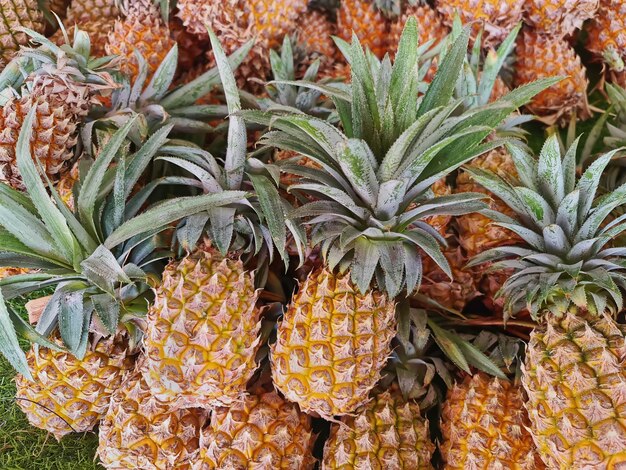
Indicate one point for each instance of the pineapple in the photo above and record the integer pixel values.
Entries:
(477, 233)
(314, 41)
(61, 87)
(388, 432)
(18, 14)
(496, 18)
(139, 431)
(202, 331)
(605, 34)
(209, 301)
(541, 56)
(236, 22)
(71, 394)
(367, 21)
(332, 344)
(558, 18)
(141, 30)
(371, 198)
(570, 281)
(453, 293)
(484, 425)
(95, 17)
(260, 431)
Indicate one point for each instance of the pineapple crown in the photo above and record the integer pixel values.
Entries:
(155, 103)
(566, 261)
(253, 224)
(99, 256)
(373, 189)
(285, 94)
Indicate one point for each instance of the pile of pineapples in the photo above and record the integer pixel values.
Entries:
(291, 234)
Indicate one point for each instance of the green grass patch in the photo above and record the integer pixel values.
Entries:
(23, 447)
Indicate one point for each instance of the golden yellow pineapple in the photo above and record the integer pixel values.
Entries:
(65, 186)
(440, 222)
(141, 30)
(68, 394)
(261, 431)
(202, 332)
(497, 17)
(54, 136)
(366, 21)
(484, 425)
(236, 21)
(606, 33)
(6, 271)
(452, 293)
(141, 432)
(314, 40)
(387, 433)
(82, 11)
(575, 377)
(558, 18)
(16, 14)
(540, 56)
(478, 233)
(332, 344)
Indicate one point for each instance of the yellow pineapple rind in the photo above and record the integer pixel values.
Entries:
(332, 344)
(202, 332)
(388, 433)
(575, 379)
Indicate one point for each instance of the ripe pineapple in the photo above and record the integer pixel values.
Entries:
(573, 373)
(484, 425)
(16, 14)
(558, 18)
(367, 21)
(477, 232)
(60, 88)
(95, 17)
(452, 293)
(261, 431)
(371, 218)
(606, 36)
(314, 41)
(332, 344)
(540, 56)
(388, 432)
(70, 394)
(141, 30)
(141, 432)
(497, 18)
(236, 21)
(202, 332)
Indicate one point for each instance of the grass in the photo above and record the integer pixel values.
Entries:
(23, 447)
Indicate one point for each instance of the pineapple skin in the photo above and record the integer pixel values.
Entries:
(498, 17)
(68, 394)
(141, 432)
(388, 433)
(332, 344)
(484, 425)
(575, 379)
(261, 431)
(478, 233)
(540, 56)
(606, 34)
(15, 14)
(83, 11)
(559, 18)
(366, 21)
(314, 39)
(53, 139)
(141, 30)
(202, 332)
